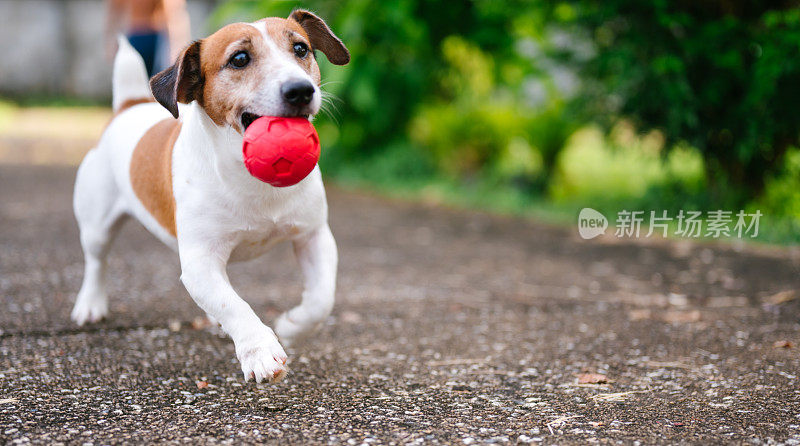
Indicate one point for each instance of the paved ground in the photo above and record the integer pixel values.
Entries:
(450, 327)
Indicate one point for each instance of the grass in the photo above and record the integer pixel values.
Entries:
(52, 120)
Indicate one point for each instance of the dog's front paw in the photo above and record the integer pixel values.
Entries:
(89, 309)
(262, 357)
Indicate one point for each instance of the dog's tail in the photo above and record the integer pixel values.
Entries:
(130, 80)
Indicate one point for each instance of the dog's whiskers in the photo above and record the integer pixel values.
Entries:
(328, 105)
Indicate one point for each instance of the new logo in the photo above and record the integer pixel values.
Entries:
(591, 223)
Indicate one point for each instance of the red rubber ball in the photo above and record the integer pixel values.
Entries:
(280, 151)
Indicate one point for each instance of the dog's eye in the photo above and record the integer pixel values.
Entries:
(239, 60)
(300, 49)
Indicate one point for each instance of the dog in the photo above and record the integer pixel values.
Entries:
(171, 157)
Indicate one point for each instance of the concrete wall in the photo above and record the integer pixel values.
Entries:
(56, 47)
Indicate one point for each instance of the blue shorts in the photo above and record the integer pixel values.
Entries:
(147, 43)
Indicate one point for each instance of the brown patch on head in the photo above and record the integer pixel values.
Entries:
(151, 171)
(225, 88)
(285, 33)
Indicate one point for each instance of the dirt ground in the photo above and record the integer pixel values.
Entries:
(450, 327)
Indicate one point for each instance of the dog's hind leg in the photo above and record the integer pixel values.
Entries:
(100, 215)
(318, 261)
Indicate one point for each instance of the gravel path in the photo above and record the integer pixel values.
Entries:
(450, 327)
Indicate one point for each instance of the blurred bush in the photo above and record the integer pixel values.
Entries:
(467, 127)
(720, 75)
(781, 195)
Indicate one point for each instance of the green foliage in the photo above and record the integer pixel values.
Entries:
(781, 196)
(484, 126)
(466, 132)
(627, 170)
(723, 76)
(548, 131)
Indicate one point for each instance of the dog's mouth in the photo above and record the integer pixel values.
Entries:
(249, 118)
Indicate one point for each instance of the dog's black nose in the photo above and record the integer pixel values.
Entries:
(297, 92)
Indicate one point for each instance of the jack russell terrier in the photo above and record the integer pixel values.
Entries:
(179, 170)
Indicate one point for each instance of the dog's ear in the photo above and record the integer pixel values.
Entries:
(322, 38)
(182, 82)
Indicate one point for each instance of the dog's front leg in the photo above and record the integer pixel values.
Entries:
(316, 253)
(204, 276)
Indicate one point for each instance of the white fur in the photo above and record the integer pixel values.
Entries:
(222, 214)
(130, 75)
